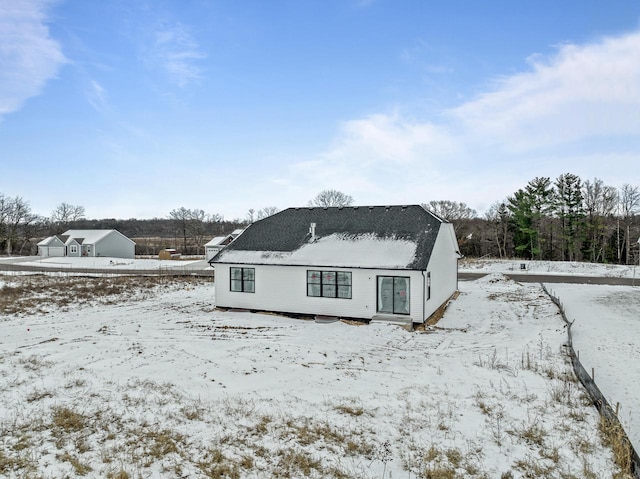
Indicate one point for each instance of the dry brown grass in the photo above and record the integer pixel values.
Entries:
(355, 411)
(79, 467)
(67, 421)
(614, 437)
(36, 294)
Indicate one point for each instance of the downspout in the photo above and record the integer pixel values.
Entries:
(423, 290)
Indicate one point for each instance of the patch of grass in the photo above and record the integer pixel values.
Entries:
(309, 432)
(614, 437)
(532, 468)
(35, 294)
(261, 427)
(68, 421)
(296, 462)
(193, 412)
(216, 465)
(443, 463)
(121, 474)
(163, 442)
(34, 363)
(37, 395)
(80, 468)
(532, 433)
(14, 463)
(350, 410)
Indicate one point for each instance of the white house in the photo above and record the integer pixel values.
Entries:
(51, 246)
(366, 262)
(214, 246)
(109, 243)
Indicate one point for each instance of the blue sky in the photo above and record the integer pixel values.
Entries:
(132, 108)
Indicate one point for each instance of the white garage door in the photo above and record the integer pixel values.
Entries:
(56, 250)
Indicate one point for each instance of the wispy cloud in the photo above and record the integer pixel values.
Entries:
(28, 55)
(97, 96)
(174, 49)
(580, 92)
(531, 123)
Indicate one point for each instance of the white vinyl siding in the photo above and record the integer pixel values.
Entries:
(113, 245)
(284, 289)
(442, 270)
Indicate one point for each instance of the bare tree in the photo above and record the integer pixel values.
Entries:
(600, 202)
(5, 211)
(181, 218)
(499, 216)
(629, 203)
(215, 218)
(450, 210)
(64, 214)
(331, 198)
(266, 212)
(194, 226)
(15, 213)
(197, 227)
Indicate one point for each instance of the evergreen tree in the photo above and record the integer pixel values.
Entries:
(530, 207)
(569, 208)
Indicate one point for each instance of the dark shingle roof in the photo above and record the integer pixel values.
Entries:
(288, 230)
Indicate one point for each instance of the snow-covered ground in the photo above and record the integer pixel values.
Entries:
(547, 267)
(162, 385)
(606, 332)
(110, 264)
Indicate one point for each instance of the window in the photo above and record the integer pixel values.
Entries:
(73, 249)
(243, 280)
(329, 284)
(428, 286)
(393, 294)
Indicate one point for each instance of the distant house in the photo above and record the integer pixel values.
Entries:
(76, 243)
(214, 246)
(51, 246)
(367, 262)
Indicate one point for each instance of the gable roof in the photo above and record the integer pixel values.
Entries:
(51, 240)
(91, 236)
(218, 240)
(390, 237)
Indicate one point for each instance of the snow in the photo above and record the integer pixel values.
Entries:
(547, 267)
(485, 391)
(606, 332)
(108, 264)
(367, 251)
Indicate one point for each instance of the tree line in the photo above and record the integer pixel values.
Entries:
(564, 219)
(184, 229)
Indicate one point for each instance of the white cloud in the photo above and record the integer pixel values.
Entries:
(580, 92)
(174, 49)
(375, 159)
(97, 96)
(28, 55)
(535, 123)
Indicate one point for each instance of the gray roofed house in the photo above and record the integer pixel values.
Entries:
(106, 243)
(363, 262)
(51, 246)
